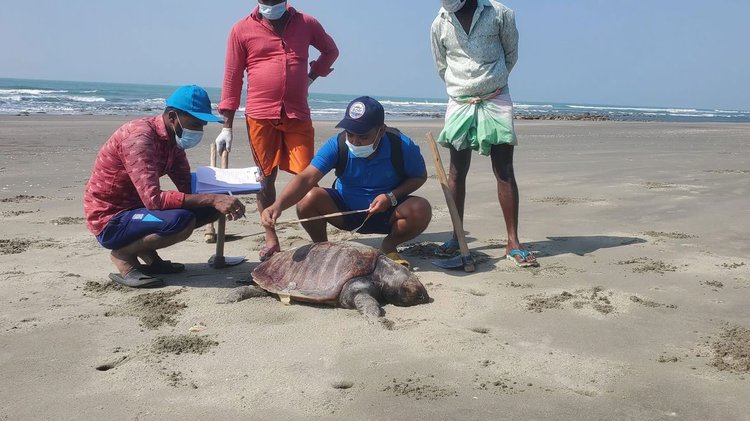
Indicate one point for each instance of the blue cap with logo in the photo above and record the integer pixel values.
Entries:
(362, 115)
(193, 100)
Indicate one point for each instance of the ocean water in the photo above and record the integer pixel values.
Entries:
(26, 97)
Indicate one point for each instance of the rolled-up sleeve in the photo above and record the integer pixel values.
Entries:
(234, 72)
(509, 39)
(139, 163)
(324, 43)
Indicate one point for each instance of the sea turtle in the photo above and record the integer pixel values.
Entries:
(347, 274)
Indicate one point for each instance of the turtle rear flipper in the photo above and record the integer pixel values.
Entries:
(242, 293)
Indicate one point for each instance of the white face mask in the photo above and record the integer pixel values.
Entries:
(363, 151)
(453, 6)
(272, 12)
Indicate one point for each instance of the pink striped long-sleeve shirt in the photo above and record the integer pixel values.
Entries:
(276, 65)
(127, 170)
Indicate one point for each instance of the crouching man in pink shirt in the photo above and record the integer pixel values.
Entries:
(125, 207)
(272, 45)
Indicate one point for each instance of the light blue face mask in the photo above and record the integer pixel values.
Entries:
(189, 138)
(272, 12)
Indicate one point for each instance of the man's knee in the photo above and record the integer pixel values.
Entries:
(417, 212)
(185, 233)
(208, 217)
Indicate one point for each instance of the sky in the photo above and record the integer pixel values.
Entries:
(638, 52)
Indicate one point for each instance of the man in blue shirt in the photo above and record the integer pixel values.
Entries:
(371, 175)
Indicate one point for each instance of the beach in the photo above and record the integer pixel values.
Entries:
(638, 311)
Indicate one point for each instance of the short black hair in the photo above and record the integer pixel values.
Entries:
(176, 110)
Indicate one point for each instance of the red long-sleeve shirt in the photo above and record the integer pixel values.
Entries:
(127, 170)
(276, 65)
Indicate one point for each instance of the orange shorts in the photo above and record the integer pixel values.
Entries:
(287, 143)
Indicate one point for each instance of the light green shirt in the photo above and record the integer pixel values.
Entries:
(479, 62)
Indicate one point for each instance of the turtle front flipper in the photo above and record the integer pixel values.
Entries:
(361, 293)
(367, 305)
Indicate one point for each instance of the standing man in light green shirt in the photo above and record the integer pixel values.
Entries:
(475, 46)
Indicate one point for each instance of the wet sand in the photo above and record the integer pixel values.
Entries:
(638, 311)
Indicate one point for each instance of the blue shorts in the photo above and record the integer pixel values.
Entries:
(379, 223)
(132, 225)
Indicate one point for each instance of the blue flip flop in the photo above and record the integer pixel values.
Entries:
(524, 263)
(448, 249)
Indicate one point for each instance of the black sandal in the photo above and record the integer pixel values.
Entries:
(162, 267)
(136, 279)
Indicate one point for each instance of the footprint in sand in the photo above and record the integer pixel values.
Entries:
(182, 344)
(10, 214)
(112, 364)
(498, 385)
(20, 245)
(596, 299)
(480, 330)
(646, 265)
(68, 220)
(22, 198)
(731, 352)
(561, 201)
(418, 388)
(670, 235)
(737, 172)
(153, 309)
(342, 384)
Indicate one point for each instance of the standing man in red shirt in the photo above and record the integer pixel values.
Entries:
(125, 207)
(272, 45)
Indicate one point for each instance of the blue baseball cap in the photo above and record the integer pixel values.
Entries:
(362, 115)
(193, 100)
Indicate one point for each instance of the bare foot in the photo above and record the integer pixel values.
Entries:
(124, 263)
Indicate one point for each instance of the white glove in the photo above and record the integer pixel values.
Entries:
(224, 140)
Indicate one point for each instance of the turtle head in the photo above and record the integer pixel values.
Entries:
(411, 292)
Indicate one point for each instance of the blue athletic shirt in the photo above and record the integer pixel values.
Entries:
(366, 178)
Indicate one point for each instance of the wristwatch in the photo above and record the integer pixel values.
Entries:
(392, 196)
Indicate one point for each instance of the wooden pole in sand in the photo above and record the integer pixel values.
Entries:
(210, 235)
(219, 261)
(458, 227)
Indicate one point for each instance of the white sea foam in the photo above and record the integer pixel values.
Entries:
(668, 110)
(32, 92)
(83, 98)
(532, 106)
(413, 103)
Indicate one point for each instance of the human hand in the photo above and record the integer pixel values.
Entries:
(380, 204)
(269, 216)
(229, 206)
(224, 140)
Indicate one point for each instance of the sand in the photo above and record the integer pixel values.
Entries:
(638, 311)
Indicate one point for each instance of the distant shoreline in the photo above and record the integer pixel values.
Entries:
(432, 117)
(34, 97)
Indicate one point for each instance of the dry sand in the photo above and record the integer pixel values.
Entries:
(639, 310)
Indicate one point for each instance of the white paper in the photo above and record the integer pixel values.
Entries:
(219, 180)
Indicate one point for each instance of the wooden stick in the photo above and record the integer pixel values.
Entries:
(210, 235)
(221, 225)
(315, 218)
(458, 227)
